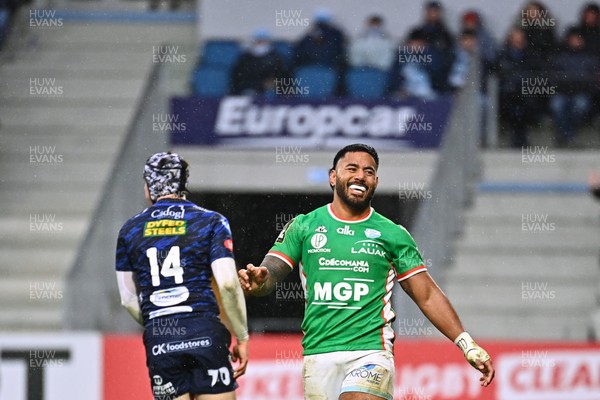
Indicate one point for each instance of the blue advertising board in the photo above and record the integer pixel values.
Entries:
(253, 122)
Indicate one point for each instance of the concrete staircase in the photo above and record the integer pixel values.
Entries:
(68, 96)
(527, 264)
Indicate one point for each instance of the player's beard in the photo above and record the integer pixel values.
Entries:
(358, 205)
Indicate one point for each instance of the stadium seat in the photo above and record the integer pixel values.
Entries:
(285, 50)
(366, 83)
(220, 53)
(210, 81)
(4, 18)
(319, 81)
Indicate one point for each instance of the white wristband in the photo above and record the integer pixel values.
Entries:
(464, 341)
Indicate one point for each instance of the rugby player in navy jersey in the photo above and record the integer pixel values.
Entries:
(177, 277)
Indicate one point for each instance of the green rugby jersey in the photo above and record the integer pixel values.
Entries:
(347, 269)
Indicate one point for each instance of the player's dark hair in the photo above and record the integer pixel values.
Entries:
(592, 7)
(356, 148)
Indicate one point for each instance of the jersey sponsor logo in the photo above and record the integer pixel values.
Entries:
(165, 227)
(170, 297)
(342, 291)
(228, 243)
(354, 265)
(318, 240)
(176, 212)
(345, 231)
(189, 344)
(372, 233)
(368, 247)
(321, 229)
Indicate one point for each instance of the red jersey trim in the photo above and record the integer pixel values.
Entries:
(282, 257)
(408, 274)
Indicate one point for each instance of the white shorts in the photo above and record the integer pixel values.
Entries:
(328, 375)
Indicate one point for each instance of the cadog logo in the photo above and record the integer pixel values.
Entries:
(176, 212)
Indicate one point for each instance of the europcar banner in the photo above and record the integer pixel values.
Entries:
(252, 122)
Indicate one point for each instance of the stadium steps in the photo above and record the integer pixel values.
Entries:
(533, 281)
(101, 69)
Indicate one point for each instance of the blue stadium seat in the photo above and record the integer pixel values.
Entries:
(210, 82)
(319, 81)
(220, 53)
(366, 83)
(285, 50)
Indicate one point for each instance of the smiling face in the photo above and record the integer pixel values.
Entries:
(354, 180)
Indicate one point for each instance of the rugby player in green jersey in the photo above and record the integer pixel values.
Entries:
(349, 257)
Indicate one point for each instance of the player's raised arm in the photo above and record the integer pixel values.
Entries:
(234, 307)
(261, 280)
(437, 308)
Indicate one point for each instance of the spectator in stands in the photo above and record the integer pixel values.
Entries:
(594, 182)
(467, 49)
(539, 27)
(414, 79)
(257, 69)
(173, 4)
(440, 39)
(575, 79)
(374, 47)
(515, 65)
(590, 27)
(486, 44)
(323, 45)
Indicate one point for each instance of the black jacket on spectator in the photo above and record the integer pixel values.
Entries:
(542, 43)
(442, 43)
(575, 71)
(513, 67)
(324, 45)
(591, 35)
(257, 73)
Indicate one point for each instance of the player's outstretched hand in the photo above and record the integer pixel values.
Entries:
(252, 278)
(487, 370)
(240, 354)
(477, 357)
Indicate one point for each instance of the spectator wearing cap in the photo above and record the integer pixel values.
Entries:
(440, 39)
(324, 44)
(373, 47)
(486, 44)
(575, 74)
(590, 27)
(258, 67)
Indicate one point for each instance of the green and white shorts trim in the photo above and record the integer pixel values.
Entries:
(327, 375)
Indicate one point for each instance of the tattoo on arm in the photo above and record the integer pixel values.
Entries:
(278, 271)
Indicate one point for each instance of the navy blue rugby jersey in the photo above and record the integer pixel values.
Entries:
(170, 247)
